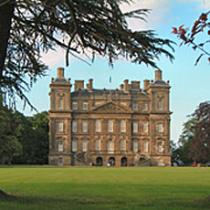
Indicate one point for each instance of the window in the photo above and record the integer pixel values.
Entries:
(60, 146)
(135, 146)
(60, 161)
(135, 106)
(84, 126)
(98, 145)
(74, 105)
(160, 147)
(60, 127)
(110, 146)
(74, 146)
(110, 126)
(123, 145)
(145, 107)
(60, 103)
(85, 146)
(146, 146)
(74, 126)
(85, 106)
(98, 125)
(123, 126)
(145, 127)
(159, 128)
(135, 127)
(160, 101)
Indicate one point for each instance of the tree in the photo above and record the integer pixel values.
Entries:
(200, 147)
(194, 142)
(10, 146)
(28, 28)
(201, 26)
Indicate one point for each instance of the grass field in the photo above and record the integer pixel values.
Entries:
(105, 188)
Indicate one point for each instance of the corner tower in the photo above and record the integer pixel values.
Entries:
(158, 91)
(59, 120)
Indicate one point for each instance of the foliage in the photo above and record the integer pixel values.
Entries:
(194, 142)
(200, 27)
(29, 28)
(23, 139)
(145, 188)
(10, 146)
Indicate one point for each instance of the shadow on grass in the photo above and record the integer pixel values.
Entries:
(105, 203)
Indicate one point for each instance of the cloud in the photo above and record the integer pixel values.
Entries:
(157, 15)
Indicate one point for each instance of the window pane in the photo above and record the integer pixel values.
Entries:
(60, 103)
(85, 126)
(85, 146)
(60, 127)
(60, 146)
(85, 106)
(74, 106)
(74, 146)
(123, 126)
(98, 125)
(110, 147)
(135, 106)
(74, 126)
(98, 145)
(123, 145)
(145, 127)
(135, 146)
(135, 127)
(160, 128)
(110, 126)
(146, 146)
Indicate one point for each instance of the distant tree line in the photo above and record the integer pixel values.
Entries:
(194, 142)
(23, 140)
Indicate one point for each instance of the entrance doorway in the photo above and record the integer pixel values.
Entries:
(111, 161)
(99, 161)
(124, 161)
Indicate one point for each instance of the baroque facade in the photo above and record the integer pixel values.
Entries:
(128, 126)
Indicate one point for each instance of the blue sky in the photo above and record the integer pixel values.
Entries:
(190, 84)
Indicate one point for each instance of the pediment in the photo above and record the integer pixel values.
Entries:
(111, 107)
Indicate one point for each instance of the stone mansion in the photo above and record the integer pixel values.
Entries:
(116, 127)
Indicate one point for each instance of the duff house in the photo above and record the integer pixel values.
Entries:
(115, 127)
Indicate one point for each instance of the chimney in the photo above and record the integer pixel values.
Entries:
(78, 85)
(135, 85)
(158, 75)
(60, 73)
(126, 85)
(146, 84)
(90, 84)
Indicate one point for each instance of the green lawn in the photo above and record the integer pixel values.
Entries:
(105, 188)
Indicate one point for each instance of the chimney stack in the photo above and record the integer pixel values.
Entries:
(60, 73)
(158, 75)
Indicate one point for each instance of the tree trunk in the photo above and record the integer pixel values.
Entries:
(6, 13)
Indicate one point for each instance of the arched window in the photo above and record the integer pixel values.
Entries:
(60, 103)
(160, 105)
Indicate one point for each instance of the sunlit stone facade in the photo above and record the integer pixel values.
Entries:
(129, 126)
